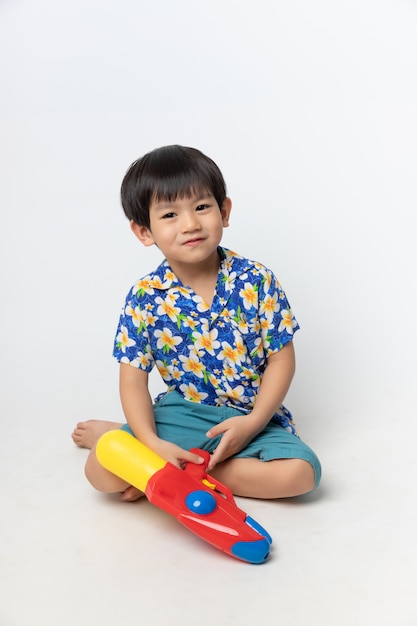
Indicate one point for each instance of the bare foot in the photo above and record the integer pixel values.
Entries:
(131, 494)
(86, 434)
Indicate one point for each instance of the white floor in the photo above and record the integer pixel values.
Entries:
(72, 557)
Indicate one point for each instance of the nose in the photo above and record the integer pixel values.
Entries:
(190, 222)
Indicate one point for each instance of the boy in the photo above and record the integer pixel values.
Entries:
(219, 329)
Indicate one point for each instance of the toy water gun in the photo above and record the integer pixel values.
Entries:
(198, 501)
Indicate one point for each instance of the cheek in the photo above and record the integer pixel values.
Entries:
(219, 225)
(164, 235)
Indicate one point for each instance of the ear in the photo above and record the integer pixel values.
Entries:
(142, 233)
(225, 211)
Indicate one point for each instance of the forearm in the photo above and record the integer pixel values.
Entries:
(238, 431)
(138, 409)
(274, 386)
(137, 403)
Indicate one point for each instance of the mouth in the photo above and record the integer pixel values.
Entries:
(193, 242)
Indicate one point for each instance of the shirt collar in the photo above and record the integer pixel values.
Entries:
(232, 265)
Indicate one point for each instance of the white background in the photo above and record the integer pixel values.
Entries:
(309, 109)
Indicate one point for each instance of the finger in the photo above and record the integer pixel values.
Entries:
(212, 463)
(191, 457)
(216, 430)
(214, 459)
(220, 429)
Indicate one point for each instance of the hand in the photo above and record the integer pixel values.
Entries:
(237, 433)
(174, 454)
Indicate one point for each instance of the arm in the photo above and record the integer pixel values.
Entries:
(137, 402)
(275, 384)
(240, 430)
(138, 409)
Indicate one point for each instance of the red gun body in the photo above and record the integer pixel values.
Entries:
(198, 501)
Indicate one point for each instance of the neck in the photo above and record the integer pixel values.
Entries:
(191, 273)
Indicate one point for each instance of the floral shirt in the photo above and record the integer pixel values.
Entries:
(209, 355)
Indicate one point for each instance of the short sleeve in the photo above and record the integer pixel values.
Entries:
(277, 320)
(131, 343)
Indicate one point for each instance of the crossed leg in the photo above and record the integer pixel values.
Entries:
(246, 477)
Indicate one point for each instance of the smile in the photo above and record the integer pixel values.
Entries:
(193, 242)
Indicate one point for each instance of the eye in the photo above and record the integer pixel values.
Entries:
(202, 207)
(168, 215)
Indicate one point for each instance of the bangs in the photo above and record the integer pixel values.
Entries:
(178, 187)
(175, 172)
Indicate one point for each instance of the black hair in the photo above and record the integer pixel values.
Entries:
(169, 173)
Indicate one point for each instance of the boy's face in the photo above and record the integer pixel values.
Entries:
(186, 230)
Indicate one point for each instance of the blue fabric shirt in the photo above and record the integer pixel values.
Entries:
(214, 355)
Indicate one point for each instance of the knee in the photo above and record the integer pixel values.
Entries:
(93, 471)
(302, 476)
(100, 478)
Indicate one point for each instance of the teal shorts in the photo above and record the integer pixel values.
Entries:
(185, 423)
